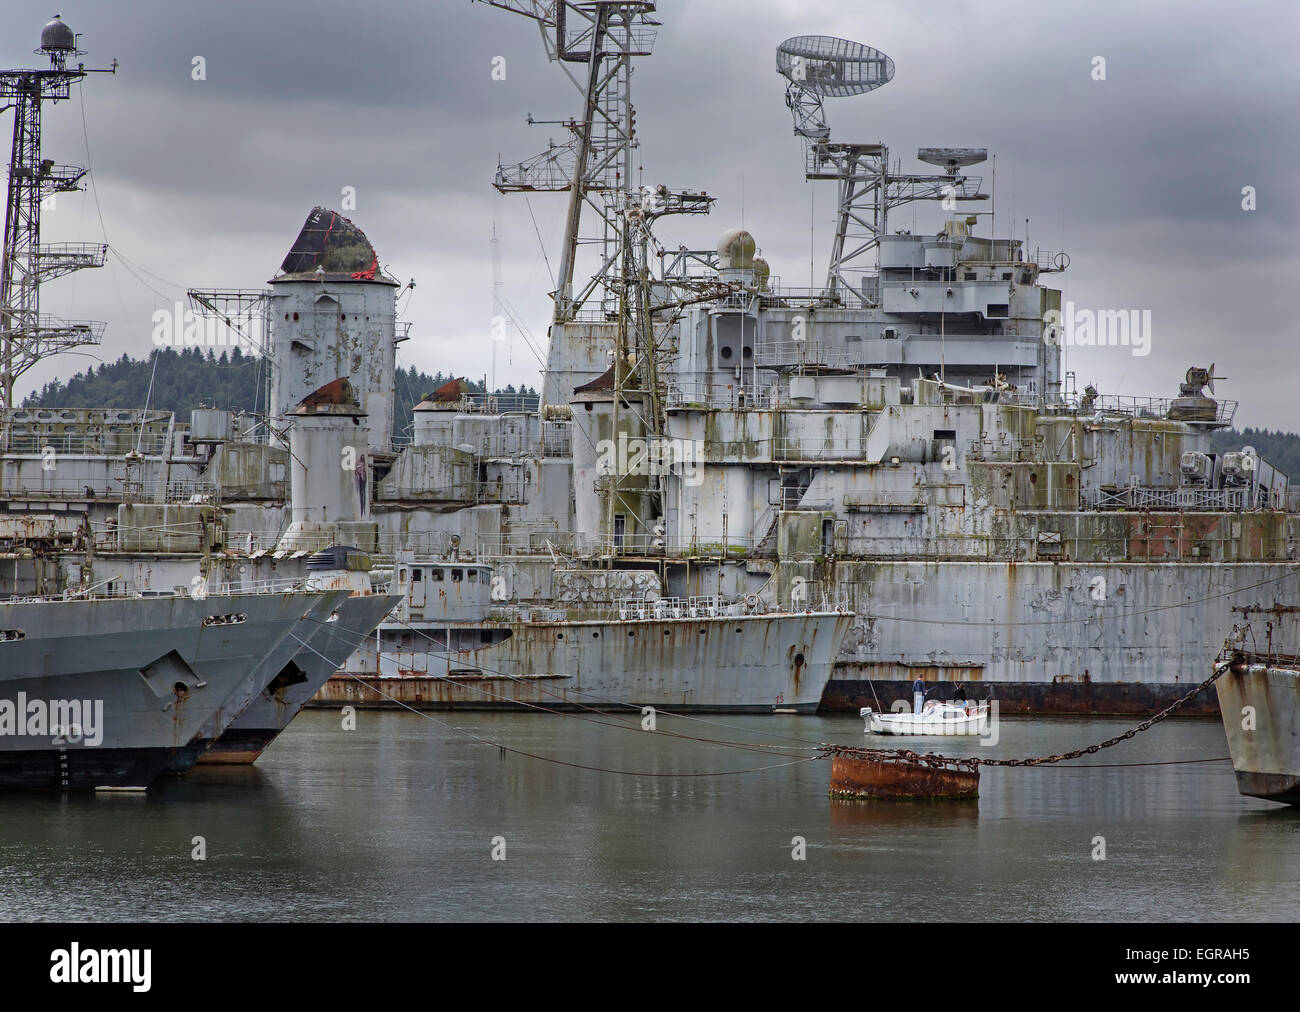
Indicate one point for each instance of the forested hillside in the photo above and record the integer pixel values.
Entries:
(187, 378)
(1281, 449)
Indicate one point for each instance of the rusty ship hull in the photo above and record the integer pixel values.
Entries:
(1038, 637)
(729, 663)
(1259, 699)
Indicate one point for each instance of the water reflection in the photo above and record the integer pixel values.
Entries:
(397, 820)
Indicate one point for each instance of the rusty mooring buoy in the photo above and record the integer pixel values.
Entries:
(886, 776)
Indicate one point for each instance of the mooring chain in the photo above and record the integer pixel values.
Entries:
(934, 760)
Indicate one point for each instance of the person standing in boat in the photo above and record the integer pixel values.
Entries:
(918, 695)
(959, 696)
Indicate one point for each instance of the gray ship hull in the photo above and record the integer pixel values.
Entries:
(744, 664)
(1259, 702)
(144, 674)
(1043, 637)
(258, 679)
(272, 709)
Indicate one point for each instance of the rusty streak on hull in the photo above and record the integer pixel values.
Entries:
(735, 664)
(424, 692)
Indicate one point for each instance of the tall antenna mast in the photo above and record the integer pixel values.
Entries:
(25, 336)
(498, 302)
(817, 67)
(594, 165)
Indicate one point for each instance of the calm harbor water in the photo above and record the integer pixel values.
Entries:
(396, 820)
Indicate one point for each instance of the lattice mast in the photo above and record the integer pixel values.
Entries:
(25, 335)
(817, 67)
(595, 43)
(599, 39)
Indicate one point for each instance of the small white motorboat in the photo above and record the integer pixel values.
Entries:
(934, 718)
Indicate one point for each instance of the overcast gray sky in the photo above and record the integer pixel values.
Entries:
(1138, 177)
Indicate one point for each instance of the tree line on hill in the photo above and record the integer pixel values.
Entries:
(1281, 449)
(189, 378)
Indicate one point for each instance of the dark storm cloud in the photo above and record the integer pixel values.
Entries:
(1139, 176)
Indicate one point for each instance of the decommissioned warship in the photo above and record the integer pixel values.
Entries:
(734, 494)
(108, 677)
(142, 501)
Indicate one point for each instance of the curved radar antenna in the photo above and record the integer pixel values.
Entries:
(818, 67)
(821, 66)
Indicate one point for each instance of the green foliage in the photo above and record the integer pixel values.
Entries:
(183, 380)
(1281, 449)
(189, 378)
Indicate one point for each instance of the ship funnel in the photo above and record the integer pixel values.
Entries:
(330, 474)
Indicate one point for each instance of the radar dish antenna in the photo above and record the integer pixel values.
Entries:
(818, 67)
(952, 159)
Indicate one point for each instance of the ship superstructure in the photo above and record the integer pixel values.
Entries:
(718, 457)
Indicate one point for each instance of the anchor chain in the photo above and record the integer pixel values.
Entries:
(972, 762)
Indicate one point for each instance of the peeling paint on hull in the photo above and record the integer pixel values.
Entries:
(737, 664)
(1265, 756)
(1062, 637)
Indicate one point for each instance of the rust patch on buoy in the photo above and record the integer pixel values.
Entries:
(900, 779)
